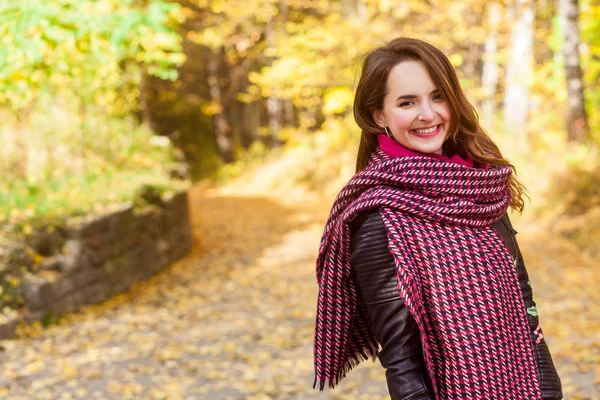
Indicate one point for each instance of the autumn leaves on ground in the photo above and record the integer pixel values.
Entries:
(234, 319)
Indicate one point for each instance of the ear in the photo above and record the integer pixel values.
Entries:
(378, 118)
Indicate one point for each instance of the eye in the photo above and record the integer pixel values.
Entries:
(405, 103)
(438, 97)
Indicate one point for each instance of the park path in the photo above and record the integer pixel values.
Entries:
(234, 319)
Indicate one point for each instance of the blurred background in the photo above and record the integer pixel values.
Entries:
(247, 106)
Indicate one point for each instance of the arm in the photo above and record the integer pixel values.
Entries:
(551, 385)
(393, 326)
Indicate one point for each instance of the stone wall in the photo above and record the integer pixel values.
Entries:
(104, 255)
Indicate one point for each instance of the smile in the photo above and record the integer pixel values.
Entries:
(427, 132)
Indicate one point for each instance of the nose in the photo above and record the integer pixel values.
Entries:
(427, 113)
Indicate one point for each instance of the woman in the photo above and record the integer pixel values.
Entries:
(418, 255)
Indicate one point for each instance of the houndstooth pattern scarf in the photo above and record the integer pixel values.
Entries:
(454, 273)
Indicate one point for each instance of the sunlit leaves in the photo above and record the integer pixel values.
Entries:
(78, 46)
(68, 171)
(590, 60)
(337, 100)
(456, 59)
(211, 108)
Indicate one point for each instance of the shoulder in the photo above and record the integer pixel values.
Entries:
(366, 220)
(368, 229)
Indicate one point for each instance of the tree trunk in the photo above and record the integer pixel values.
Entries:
(489, 79)
(577, 122)
(251, 123)
(247, 132)
(273, 102)
(518, 71)
(222, 129)
(472, 65)
(289, 113)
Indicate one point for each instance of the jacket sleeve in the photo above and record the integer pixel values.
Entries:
(394, 327)
(551, 384)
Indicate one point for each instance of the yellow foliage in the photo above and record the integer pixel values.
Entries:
(211, 108)
(337, 100)
(456, 59)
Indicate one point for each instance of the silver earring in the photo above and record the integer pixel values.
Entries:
(387, 132)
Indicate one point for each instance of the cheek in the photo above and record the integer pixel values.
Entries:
(445, 112)
(403, 119)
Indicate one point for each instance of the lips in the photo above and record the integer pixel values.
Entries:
(428, 131)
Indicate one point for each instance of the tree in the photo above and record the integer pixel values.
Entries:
(518, 73)
(489, 80)
(222, 128)
(93, 50)
(577, 121)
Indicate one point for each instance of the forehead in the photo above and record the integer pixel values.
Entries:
(410, 77)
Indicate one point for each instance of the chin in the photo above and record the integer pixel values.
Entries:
(427, 145)
(437, 148)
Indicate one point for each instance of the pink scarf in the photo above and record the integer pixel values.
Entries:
(454, 274)
(394, 149)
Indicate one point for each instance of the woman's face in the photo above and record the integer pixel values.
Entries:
(414, 110)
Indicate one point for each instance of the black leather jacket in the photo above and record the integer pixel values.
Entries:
(394, 327)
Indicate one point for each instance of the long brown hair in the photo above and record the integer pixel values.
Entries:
(466, 135)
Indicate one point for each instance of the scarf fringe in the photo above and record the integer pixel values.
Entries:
(353, 360)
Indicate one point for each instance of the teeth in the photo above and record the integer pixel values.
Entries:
(428, 130)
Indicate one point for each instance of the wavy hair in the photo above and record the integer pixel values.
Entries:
(466, 134)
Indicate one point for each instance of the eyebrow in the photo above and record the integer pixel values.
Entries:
(414, 96)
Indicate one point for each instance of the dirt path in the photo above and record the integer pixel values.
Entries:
(234, 320)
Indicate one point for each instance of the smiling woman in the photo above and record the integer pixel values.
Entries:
(418, 255)
(417, 121)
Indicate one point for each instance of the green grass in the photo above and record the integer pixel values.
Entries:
(25, 204)
(63, 160)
